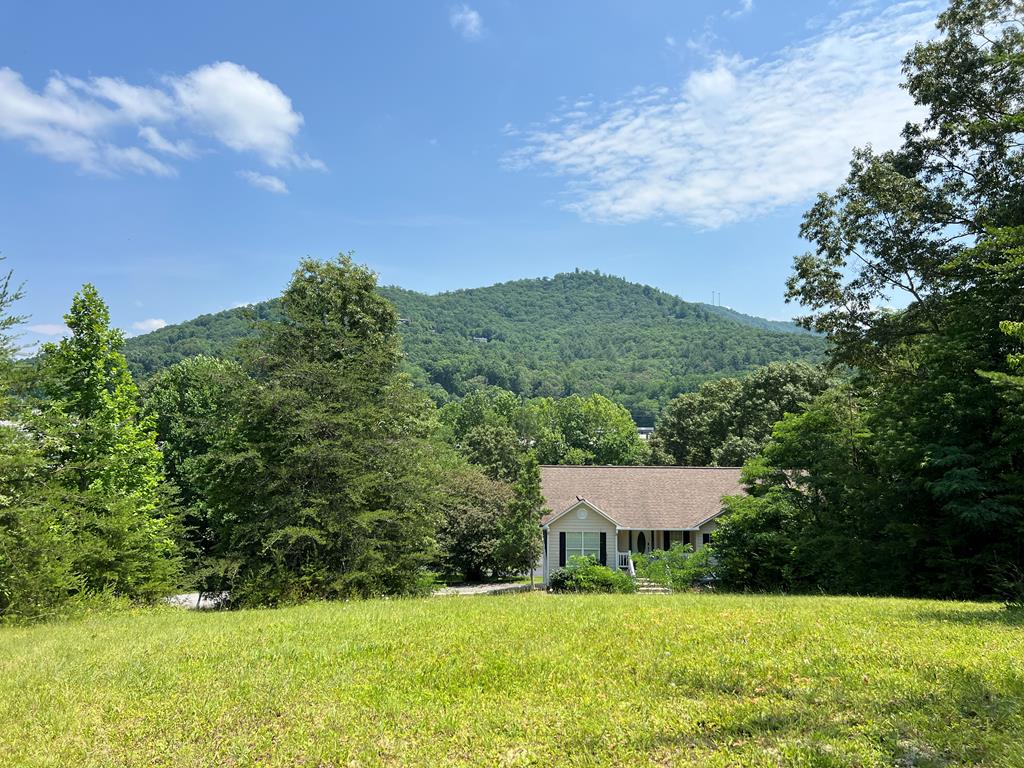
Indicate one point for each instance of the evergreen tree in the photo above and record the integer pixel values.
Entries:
(324, 486)
(103, 461)
(520, 546)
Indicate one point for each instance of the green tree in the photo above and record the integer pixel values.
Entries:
(939, 222)
(520, 546)
(325, 485)
(36, 575)
(103, 461)
(472, 526)
(194, 405)
(728, 421)
(584, 430)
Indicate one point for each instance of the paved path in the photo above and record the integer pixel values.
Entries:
(192, 601)
(483, 589)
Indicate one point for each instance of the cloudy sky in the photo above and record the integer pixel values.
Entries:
(183, 156)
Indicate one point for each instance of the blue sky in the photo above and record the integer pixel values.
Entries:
(183, 156)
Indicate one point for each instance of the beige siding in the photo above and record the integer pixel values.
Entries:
(570, 521)
(698, 537)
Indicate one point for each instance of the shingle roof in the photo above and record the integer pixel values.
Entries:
(656, 498)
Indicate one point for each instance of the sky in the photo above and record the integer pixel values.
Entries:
(184, 156)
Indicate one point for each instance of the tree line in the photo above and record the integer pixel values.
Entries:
(308, 465)
(908, 478)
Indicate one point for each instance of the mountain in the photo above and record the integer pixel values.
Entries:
(575, 332)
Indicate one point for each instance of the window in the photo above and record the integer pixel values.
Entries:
(586, 543)
(706, 538)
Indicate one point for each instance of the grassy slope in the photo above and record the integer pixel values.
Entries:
(523, 680)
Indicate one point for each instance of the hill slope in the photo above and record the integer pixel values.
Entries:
(576, 332)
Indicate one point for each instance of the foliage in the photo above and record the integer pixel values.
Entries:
(470, 538)
(81, 511)
(911, 480)
(685, 680)
(728, 421)
(494, 428)
(576, 333)
(324, 483)
(678, 567)
(585, 430)
(584, 574)
(521, 542)
(194, 406)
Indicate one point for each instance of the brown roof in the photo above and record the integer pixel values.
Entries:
(656, 498)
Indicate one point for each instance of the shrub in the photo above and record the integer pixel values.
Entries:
(583, 574)
(678, 567)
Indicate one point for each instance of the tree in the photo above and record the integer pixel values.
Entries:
(939, 222)
(584, 430)
(728, 421)
(325, 485)
(520, 546)
(103, 461)
(194, 405)
(471, 534)
(36, 576)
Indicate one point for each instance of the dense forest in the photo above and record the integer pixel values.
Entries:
(575, 333)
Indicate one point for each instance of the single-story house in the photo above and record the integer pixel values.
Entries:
(610, 513)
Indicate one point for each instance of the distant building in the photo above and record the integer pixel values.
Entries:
(610, 513)
(645, 432)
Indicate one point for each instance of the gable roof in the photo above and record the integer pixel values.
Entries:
(649, 498)
(580, 503)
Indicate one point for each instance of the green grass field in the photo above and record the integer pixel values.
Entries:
(528, 679)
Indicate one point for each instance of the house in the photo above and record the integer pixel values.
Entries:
(610, 513)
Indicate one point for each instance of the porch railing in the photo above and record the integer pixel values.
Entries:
(626, 563)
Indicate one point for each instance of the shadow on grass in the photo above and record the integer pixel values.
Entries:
(994, 615)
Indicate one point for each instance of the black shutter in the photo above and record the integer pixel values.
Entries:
(630, 541)
(604, 548)
(668, 540)
(561, 549)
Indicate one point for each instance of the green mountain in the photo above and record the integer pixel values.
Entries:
(577, 332)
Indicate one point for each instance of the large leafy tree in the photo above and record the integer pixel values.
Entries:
(728, 421)
(325, 486)
(585, 430)
(194, 406)
(937, 227)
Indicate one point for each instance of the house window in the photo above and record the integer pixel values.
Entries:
(706, 538)
(586, 543)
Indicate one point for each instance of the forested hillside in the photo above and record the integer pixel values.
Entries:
(580, 332)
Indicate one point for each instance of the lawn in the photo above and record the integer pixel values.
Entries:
(527, 679)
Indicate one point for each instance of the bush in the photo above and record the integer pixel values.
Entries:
(678, 568)
(583, 574)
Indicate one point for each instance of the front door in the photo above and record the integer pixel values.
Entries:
(641, 543)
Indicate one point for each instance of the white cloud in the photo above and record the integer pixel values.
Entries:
(156, 141)
(742, 136)
(670, 41)
(264, 181)
(744, 7)
(97, 124)
(150, 324)
(49, 329)
(466, 22)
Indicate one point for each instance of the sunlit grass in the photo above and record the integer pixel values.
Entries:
(527, 679)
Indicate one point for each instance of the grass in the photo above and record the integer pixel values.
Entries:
(526, 679)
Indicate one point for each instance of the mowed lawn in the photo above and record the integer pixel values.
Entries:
(528, 679)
